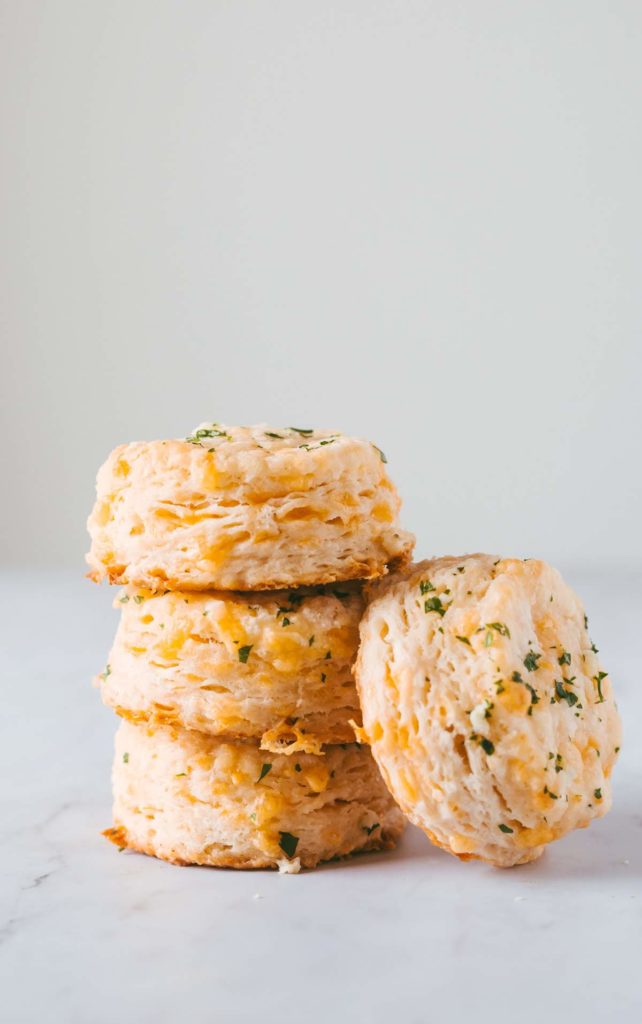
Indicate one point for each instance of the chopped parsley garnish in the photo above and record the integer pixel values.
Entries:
(500, 627)
(564, 658)
(328, 655)
(244, 652)
(530, 661)
(124, 599)
(559, 765)
(517, 678)
(381, 454)
(125, 758)
(433, 604)
(264, 770)
(107, 672)
(311, 640)
(205, 432)
(596, 679)
(288, 843)
(506, 828)
(286, 621)
(597, 794)
(180, 775)
(585, 622)
(300, 430)
(463, 639)
(553, 796)
(138, 599)
(486, 745)
(425, 586)
(594, 648)
(370, 828)
(268, 433)
(562, 694)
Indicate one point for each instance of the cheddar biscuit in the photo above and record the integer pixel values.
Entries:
(195, 799)
(487, 708)
(275, 665)
(245, 508)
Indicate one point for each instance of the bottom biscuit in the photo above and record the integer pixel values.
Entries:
(190, 798)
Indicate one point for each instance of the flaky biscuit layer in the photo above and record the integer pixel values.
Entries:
(245, 508)
(195, 799)
(275, 665)
(486, 705)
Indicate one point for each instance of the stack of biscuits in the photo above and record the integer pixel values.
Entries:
(241, 552)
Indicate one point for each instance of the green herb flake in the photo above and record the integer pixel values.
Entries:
(597, 794)
(530, 661)
(562, 694)
(486, 745)
(311, 640)
(553, 796)
(463, 639)
(288, 842)
(499, 627)
(425, 586)
(268, 433)
(564, 658)
(106, 673)
(559, 764)
(433, 604)
(598, 682)
(180, 775)
(244, 652)
(369, 829)
(381, 454)
(124, 599)
(125, 758)
(506, 828)
(286, 621)
(328, 655)
(303, 432)
(264, 771)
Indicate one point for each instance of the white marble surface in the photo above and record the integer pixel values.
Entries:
(90, 935)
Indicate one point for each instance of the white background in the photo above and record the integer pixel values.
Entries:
(417, 221)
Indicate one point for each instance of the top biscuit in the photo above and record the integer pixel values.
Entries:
(245, 508)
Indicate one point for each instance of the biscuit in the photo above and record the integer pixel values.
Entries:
(275, 665)
(245, 508)
(486, 705)
(195, 799)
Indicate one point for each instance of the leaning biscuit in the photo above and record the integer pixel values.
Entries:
(487, 708)
(245, 508)
(275, 665)
(195, 799)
